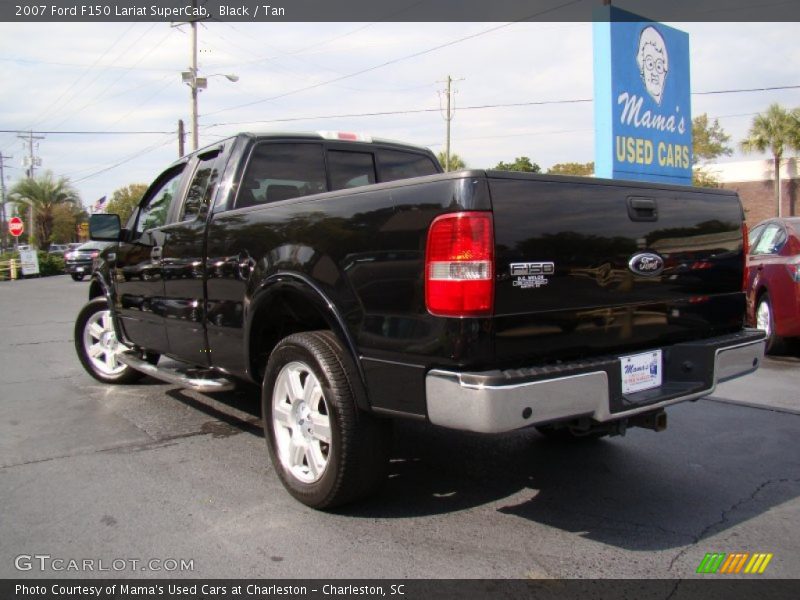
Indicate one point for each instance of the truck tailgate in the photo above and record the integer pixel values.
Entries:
(591, 266)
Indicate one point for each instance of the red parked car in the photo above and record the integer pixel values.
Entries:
(773, 279)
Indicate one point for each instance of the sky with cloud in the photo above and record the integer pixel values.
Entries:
(125, 77)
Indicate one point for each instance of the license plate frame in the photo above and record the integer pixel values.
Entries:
(640, 372)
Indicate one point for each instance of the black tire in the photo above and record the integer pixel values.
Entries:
(76, 276)
(357, 456)
(126, 374)
(774, 343)
(565, 434)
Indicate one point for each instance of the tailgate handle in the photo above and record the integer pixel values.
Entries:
(642, 209)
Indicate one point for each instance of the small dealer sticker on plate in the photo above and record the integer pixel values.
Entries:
(641, 371)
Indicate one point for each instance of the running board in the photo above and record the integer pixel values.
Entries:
(199, 380)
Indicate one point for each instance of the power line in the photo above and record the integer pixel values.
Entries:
(34, 61)
(58, 100)
(125, 160)
(87, 132)
(481, 107)
(98, 97)
(739, 91)
(396, 60)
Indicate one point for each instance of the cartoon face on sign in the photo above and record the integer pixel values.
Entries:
(653, 62)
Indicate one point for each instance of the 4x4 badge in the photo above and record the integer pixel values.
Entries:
(646, 264)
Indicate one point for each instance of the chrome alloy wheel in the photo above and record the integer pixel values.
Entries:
(763, 320)
(301, 422)
(101, 344)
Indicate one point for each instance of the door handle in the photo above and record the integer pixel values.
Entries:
(156, 253)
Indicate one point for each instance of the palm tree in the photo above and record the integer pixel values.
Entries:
(776, 130)
(42, 194)
(456, 162)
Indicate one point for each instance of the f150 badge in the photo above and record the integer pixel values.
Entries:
(646, 264)
(531, 274)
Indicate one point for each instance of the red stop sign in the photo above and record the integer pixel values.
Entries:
(15, 226)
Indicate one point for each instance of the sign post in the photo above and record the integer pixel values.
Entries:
(29, 262)
(643, 117)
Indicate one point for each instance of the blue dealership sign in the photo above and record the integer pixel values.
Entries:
(642, 101)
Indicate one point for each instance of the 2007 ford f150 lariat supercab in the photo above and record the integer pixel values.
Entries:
(357, 283)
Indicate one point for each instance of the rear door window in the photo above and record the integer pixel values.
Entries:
(394, 165)
(350, 169)
(281, 171)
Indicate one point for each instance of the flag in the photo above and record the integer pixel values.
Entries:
(99, 205)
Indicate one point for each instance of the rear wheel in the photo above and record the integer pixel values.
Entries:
(765, 319)
(325, 450)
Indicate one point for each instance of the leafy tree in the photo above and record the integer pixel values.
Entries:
(43, 194)
(702, 177)
(521, 163)
(776, 130)
(709, 140)
(65, 220)
(572, 168)
(125, 199)
(456, 162)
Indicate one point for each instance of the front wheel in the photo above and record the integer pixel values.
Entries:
(325, 451)
(77, 276)
(765, 319)
(97, 345)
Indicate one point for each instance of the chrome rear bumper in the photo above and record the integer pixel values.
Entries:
(498, 401)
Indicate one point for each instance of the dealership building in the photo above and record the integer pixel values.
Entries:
(754, 181)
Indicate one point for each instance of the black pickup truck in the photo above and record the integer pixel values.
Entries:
(357, 283)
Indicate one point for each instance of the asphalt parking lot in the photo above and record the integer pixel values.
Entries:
(95, 472)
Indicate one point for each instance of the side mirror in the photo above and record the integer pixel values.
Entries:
(104, 227)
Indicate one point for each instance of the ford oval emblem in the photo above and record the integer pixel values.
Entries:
(646, 264)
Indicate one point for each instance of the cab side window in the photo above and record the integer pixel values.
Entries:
(155, 209)
(202, 188)
(394, 165)
(282, 171)
(350, 169)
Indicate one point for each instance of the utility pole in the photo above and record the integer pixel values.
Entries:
(196, 83)
(181, 139)
(3, 199)
(448, 116)
(32, 162)
(193, 23)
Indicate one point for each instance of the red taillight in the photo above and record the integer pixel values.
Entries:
(459, 265)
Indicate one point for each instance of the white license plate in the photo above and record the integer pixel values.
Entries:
(79, 269)
(641, 371)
